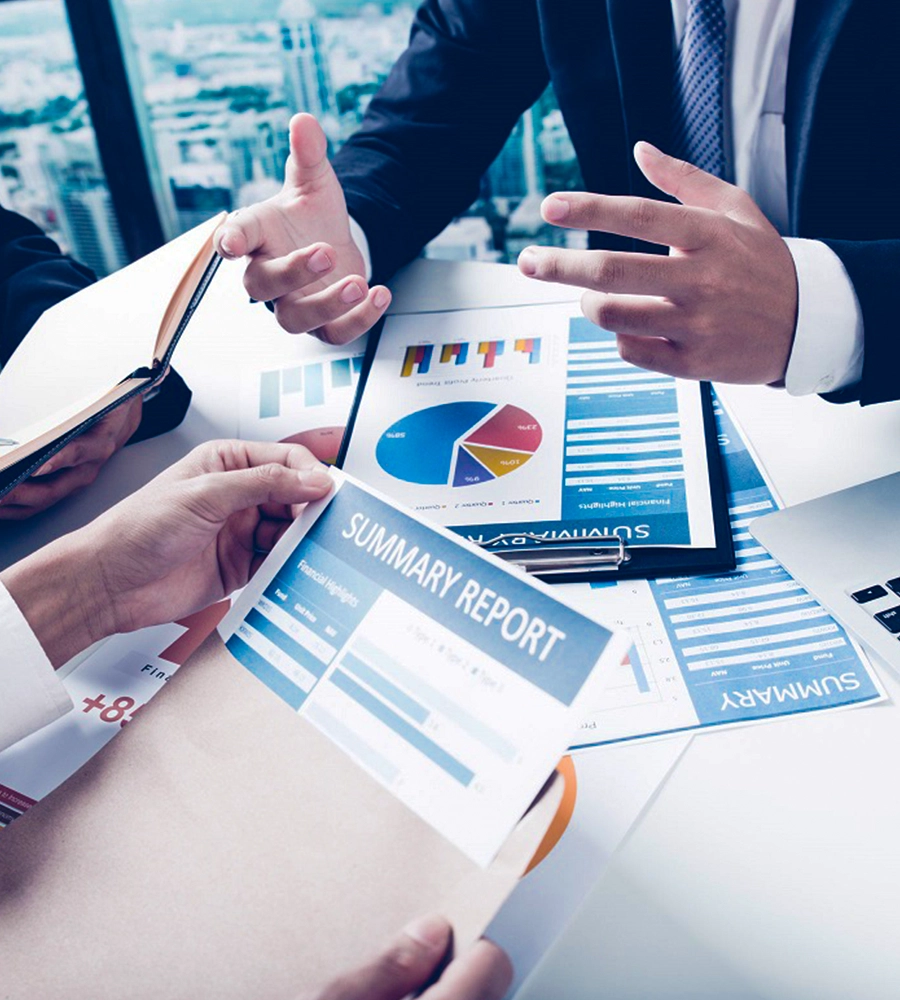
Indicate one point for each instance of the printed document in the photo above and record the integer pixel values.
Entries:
(452, 680)
(491, 420)
(305, 400)
(710, 651)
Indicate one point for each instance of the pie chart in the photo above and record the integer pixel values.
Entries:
(458, 444)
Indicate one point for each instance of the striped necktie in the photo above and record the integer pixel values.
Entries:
(699, 112)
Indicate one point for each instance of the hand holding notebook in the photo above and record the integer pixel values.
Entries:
(97, 350)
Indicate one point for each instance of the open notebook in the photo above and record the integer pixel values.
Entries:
(95, 350)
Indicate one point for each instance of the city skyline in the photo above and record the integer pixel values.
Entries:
(214, 98)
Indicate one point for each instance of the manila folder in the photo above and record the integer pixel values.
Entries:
(222, 847)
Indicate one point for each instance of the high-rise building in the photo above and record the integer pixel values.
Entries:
(308, 82)
(86, 214)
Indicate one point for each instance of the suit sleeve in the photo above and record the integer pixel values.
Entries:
(873, 267)
(441, 117)
(34, 275)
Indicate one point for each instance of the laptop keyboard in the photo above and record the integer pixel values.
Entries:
(882, 601)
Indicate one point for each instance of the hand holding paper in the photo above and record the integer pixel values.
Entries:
(190, 537)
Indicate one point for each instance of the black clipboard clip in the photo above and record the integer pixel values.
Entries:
(558, 556)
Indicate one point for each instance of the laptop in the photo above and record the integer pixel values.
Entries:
(845, 549)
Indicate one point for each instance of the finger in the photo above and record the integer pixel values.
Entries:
(300, 313)
(484, 972)
(216, 496)
(634, 314)
(38, 495)
(642, 218)
(605, 271)
(227, 455)
(100, 442)
(239, 235)
(689, 184)
(655, 354)
(357, 321)
(89, 447)
(268, 532)
(270, 279)
(404, 966)
(308, 161)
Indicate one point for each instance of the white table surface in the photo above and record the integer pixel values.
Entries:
(768, 866)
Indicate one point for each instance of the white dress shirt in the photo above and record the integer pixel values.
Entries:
(31, 695)
(827, 352)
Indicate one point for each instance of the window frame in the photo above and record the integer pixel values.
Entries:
(107, 89)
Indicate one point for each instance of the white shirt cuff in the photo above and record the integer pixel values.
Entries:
(359, 238)
(31, 694)
(828, 342)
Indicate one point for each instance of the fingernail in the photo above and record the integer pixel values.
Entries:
(381, 298)
(317, 478)
(352, 293)
(225, 244)
(528, 262)
(431, 931)
(556, 209)
(45, 469)
(650, 148)
(319, 262)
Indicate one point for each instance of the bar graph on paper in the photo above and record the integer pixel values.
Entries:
(305, 386)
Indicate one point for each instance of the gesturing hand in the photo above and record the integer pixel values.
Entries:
(75, 467)
(302, 255)
(722, 305)
(190, 537)
(481, 973)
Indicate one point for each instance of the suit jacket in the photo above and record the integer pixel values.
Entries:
(34, 275)
(473, 66)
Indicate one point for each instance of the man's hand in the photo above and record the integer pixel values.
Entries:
(482, 973)
(722, 305)
(75, 467)
(190, 537)
(302, 256)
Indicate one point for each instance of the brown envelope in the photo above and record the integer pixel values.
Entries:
(222, 847)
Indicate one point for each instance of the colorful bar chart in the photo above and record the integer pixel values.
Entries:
(531, 347)
(417, 359)
(491, 350)
(457, 353)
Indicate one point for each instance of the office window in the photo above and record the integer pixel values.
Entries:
(49, 167)
(216, 83)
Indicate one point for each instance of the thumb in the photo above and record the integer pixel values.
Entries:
(308, 161)
(217, 495)
(404, 966)
(689, 184)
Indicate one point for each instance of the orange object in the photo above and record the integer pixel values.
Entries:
(560, 821)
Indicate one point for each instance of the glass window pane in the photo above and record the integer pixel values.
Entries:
(49, 167)
(216, 84)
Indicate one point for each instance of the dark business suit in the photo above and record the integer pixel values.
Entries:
(473, 66)
(34, 275)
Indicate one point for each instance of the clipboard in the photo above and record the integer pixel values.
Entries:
(606, 557)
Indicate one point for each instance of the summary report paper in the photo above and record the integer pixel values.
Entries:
(717, 650)
(454, 681)
(491, 419)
